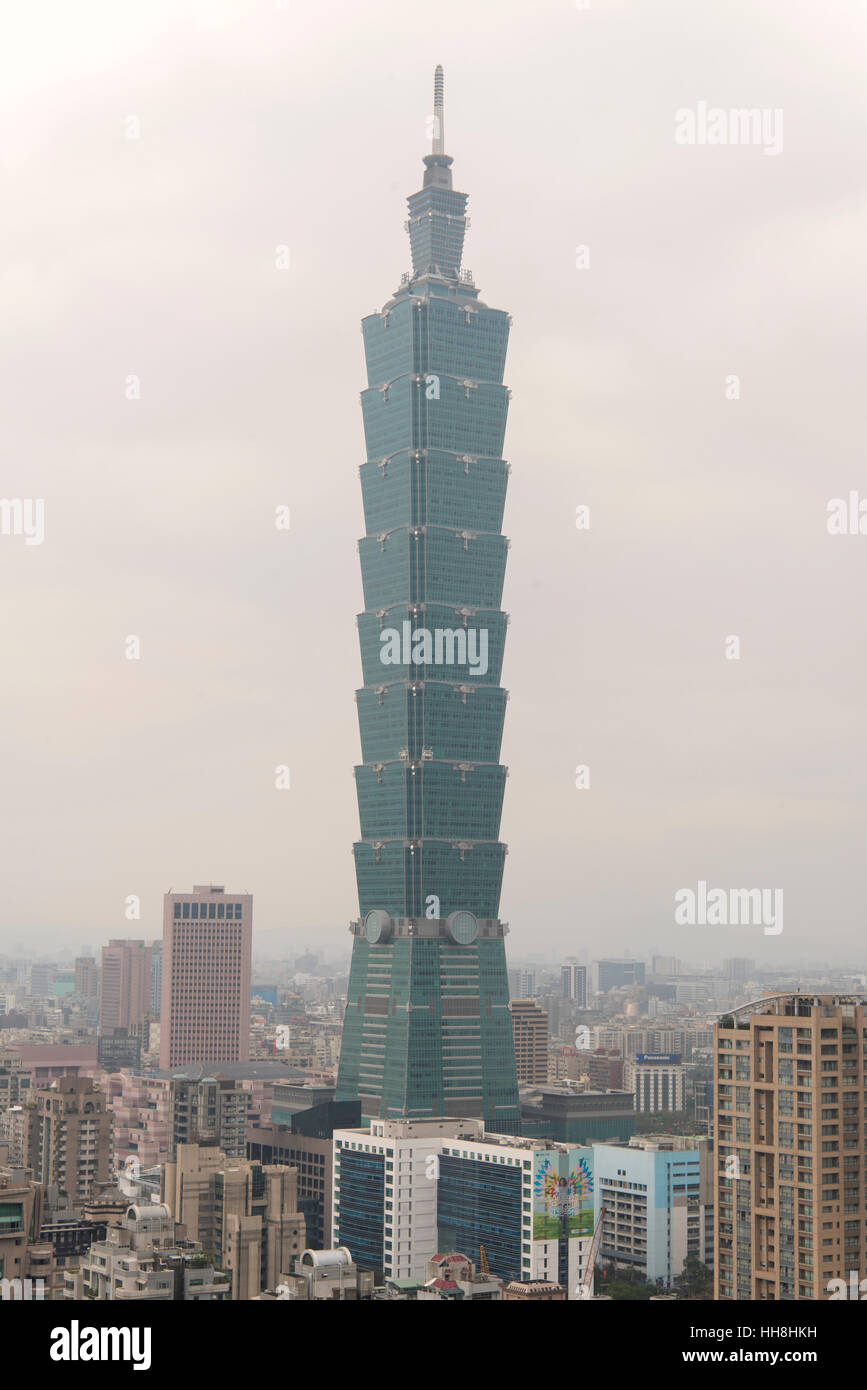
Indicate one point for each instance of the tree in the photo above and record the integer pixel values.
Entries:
(695, 1280)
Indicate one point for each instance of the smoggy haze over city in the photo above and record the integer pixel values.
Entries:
(154, 161)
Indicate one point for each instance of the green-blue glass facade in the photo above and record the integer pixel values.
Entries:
(427, 1028)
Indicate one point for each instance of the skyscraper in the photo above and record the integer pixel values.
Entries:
(427, 1030)
(530, 1031)
(573, 979)
(156, 998)
(86, 977)
(126, 984)
(790, 1120)
(207, 944)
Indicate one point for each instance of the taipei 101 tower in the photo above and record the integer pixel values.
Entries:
(427, 1030)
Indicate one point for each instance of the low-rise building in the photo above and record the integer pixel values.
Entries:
(331, 1274)
(146, 1259)
(453, 1278)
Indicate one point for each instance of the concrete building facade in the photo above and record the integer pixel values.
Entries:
(789, 1078)
(125, 979)
(246, 1214)
(207, 944)
(530, 1031)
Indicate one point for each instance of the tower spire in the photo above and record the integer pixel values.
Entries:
(437, 214)
(438, 138)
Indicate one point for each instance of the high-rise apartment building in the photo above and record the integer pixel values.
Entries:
(210, 1111)
(126, 984)
(427, 1030)
(154, 1112)
(530, 1031)
(71, 1147)
(207, 945)
(86, 977)
(146, 1258)
(522, 983)
(790, 1121)
(245, 1214)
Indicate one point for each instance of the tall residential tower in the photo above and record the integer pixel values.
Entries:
(791, 1130)
(427, 1030)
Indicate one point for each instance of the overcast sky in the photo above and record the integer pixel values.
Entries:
(263, 125)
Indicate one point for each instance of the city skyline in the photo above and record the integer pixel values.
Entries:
(588, 572)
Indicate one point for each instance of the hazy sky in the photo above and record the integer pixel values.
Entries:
(263, 125)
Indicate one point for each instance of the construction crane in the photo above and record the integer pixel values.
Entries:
(484, 1268)
(585, 1288)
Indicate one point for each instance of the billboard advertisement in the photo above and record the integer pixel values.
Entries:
(562, 1193)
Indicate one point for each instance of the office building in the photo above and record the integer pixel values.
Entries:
(86, 977)
(571, 1116)
(789, 1122)
(617, 974)
(604, 1069)
(427, 1030)
(207, 945)
(408, 1190)
(125, 984)
(656, 1080)
(530, 1032)
(573, 982)
(119, 1047)
(384, 1205)
(42, 979)
(301, 1134)
(658, 1199)
(156, 996)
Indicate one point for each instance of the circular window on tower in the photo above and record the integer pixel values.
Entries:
(463, 928)
(377, 926)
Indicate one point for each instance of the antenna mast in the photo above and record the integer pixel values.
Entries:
(438, 143)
